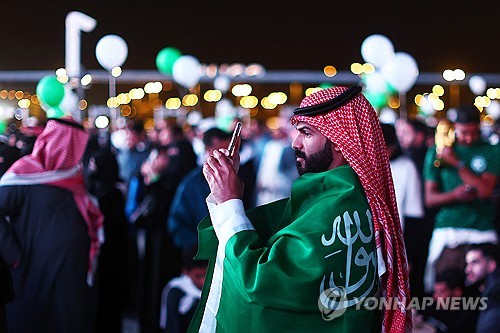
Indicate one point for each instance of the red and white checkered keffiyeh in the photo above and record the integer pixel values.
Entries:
(354, 128)
(56, 161)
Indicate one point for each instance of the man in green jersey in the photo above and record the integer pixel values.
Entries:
(460, 187)
(309, 262)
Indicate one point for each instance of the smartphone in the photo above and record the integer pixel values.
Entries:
(236, 134)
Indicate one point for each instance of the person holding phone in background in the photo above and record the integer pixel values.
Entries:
(460, 188)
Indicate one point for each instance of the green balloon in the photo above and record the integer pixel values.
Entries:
(55, 112)
(377, 100)
(325, 85)
(391, 90)
(3, 127)
(166, 58)
(50, 91)
(224, 122)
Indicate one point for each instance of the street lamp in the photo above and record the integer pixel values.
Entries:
(75, 23)
(452, 75)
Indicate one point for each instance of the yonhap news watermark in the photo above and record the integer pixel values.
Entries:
(333, 303)
(423, 303)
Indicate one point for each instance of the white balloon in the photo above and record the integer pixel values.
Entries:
(375, 82)
(494, 109)
(111, 51)
(222, 83)
(388, 116)
(401, 72)
(377, 49)
(187, 71)
(427, 108)
(477, 84)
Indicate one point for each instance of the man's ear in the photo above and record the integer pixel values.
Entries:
(338, 157)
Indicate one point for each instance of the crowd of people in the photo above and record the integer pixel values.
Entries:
(93, 230)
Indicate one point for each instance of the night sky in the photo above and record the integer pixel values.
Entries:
(278, 34)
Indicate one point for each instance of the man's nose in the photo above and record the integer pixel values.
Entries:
(295, 143)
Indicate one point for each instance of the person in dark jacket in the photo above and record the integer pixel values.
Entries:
(181, 295)
(188, 205)
(112, 272)
(446, 314)
(51, 232)
(158, 258)
(6, 293)
(482, 270)
(8, 155)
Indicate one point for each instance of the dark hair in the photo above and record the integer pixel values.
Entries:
(136, 126)
(453, 277)
(418, 126)
(467, 114)
(488, 250)
(177, 131)
(187, 258)
(391, 139)
(214, 133)
(107, 166)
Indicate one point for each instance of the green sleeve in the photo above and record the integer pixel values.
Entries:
(430, 172)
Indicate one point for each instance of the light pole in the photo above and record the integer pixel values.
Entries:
(113, 74)
(452, 75)
(75, 23)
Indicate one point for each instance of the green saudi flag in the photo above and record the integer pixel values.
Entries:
(306, 267)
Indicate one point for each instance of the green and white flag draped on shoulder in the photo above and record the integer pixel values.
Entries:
(295, 265)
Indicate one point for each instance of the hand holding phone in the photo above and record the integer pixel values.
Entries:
(221, 171)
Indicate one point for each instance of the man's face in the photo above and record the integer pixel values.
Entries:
(313, 151)
(197, 275)
(467, 134)
(165, 136)
(405, 134)
(478, 267)
(132, 139)
(442, 291)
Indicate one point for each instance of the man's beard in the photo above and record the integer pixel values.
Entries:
(478, 283)
(318, 162)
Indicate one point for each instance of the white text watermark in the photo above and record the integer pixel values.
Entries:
(333, 303)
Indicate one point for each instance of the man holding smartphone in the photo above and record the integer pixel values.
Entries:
(461, 190)
(308, 263)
